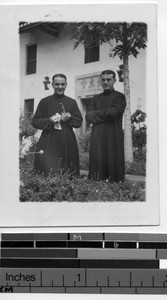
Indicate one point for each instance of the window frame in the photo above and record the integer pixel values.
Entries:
(90, 54)
(27, 112)
(33, 60)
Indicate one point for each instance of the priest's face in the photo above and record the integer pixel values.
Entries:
(59, 85)
(107, 82)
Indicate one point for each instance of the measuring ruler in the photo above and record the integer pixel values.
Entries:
(102, 263)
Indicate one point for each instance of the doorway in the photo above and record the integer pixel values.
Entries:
(86, 107)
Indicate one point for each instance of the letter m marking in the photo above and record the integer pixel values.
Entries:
(77, 238)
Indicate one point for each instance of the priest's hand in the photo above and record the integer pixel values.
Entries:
(55, 118)
(65, 116)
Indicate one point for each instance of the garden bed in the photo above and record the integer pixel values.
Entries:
(63, 187)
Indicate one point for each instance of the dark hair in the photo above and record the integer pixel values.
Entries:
(59, 75)
(107, 72)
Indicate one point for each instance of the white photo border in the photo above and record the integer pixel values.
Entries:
(14, 213)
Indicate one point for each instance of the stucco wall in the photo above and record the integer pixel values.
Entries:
(56, 55)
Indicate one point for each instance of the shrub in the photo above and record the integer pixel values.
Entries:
(84, 141)
(139, 155)
(138, 129)
(138, 165)
(139, 137)
(84, 160)
(25, 126)
(84, 145)
(63, 187)
(136, 168)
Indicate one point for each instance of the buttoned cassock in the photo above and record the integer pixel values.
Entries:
(60, 149)
(106, 157)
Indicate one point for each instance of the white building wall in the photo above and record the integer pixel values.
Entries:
(56, 55)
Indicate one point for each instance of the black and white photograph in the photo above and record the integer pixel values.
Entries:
(80, 93)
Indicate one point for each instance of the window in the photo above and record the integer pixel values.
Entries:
(29, 107)
(31, 59)
(92, 49)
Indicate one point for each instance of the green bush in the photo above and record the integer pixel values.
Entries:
(84, 141)
(138, 165)
(63, 187)
(139, 137)
(139, 129)
(136, 168)
(139, 155)
(25, 126)
(84, 145)
(84, 160)
(26, 164)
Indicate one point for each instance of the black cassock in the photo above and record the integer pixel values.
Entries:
(60, 149)
(106, 157)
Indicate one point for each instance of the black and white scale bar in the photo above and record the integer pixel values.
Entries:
(68, 244)
(79, 263)
(17, 244)
(51, 244)
(84, 290)
(81, 253)
(85, 244)
(152, 245)
(85, 236)
(38, 253)
(39, 263)
(34, 236)
(126, 245)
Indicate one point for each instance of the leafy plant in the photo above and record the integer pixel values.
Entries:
(136, 168)
(84, 141)
(138, 117)
(139, 137)
(84, 145)
(63, 187)
(25, 126)
(139, 129)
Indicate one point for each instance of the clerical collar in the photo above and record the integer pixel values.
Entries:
(58, 96)
(108, 92)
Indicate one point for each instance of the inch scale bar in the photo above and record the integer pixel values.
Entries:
(102, 263)
(103, 281)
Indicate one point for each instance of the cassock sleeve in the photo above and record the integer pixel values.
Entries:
(94, 116)
(91, 116)
(40, 121)
(100, 116)
(116, 109)
(76, 117)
